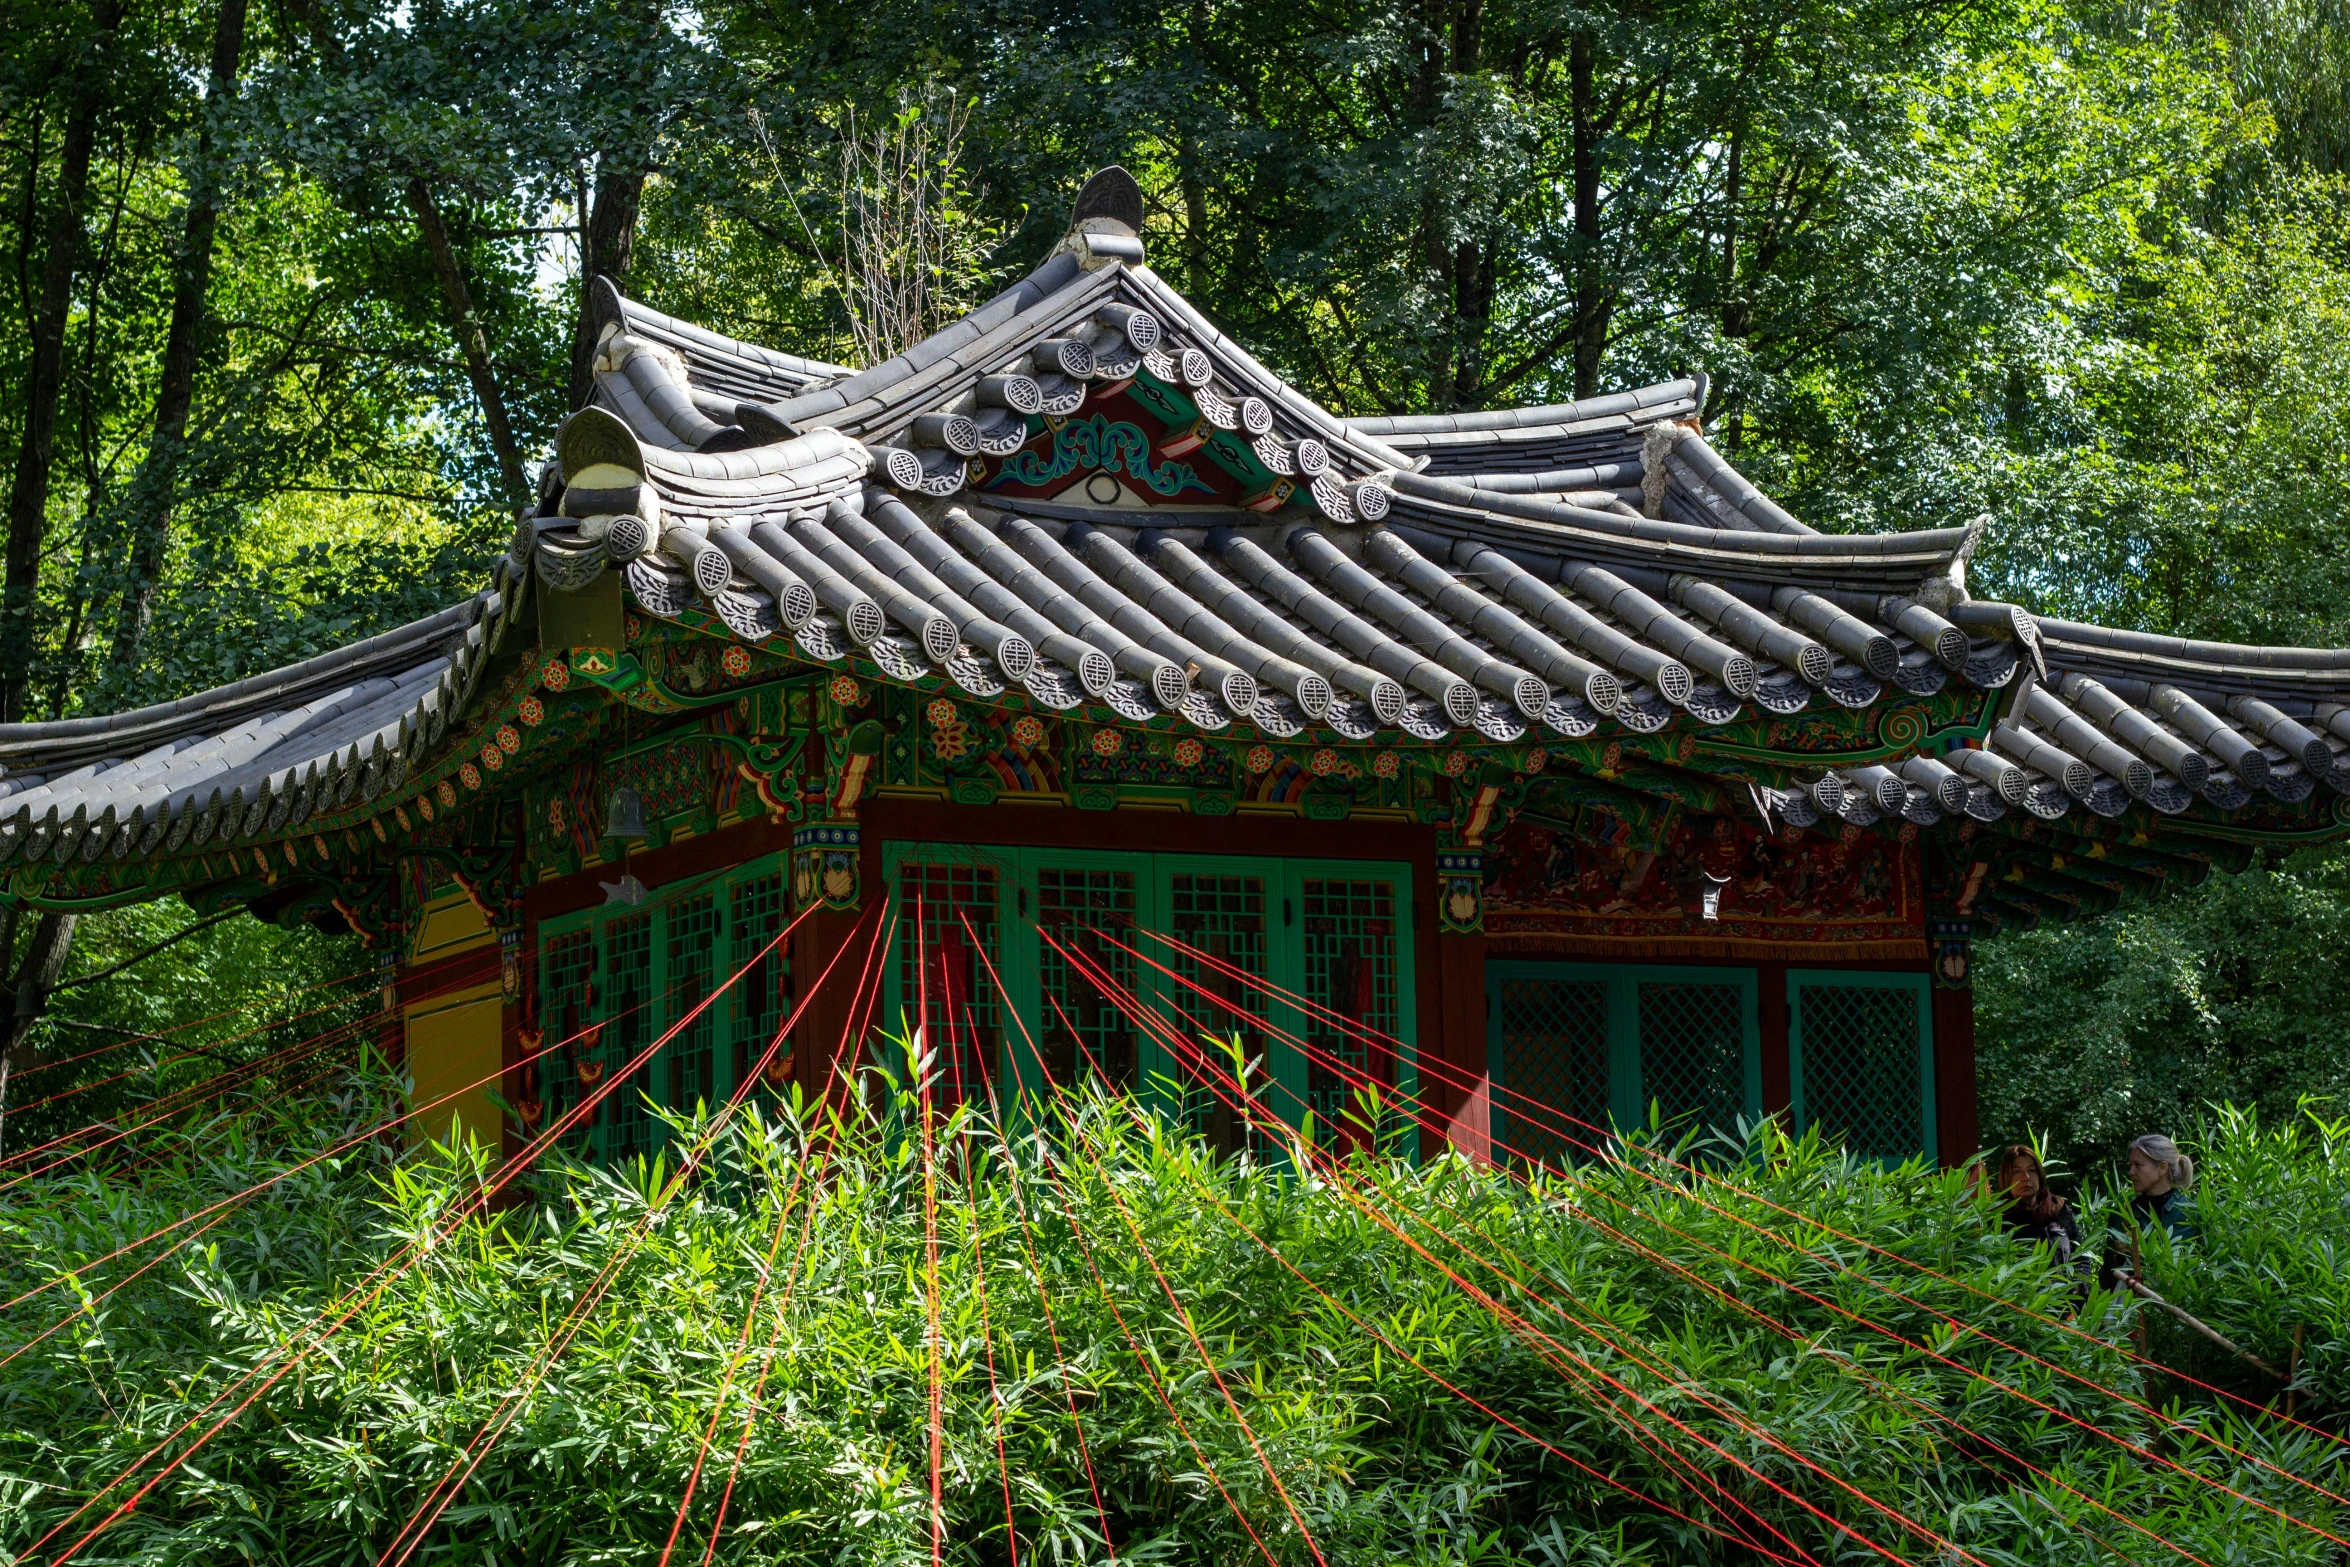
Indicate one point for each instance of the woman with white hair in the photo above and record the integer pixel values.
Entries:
(2160, 1178)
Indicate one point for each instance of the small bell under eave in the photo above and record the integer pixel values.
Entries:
(626, 818)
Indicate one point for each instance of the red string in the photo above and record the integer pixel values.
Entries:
(1383, 1042)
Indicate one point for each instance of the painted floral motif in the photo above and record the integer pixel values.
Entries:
(1386, 764)
(532, 711)
(491, 758)
(1260, 759)
(556, 676)
(1097, 443)
(634, 629)
(1325, 762)
(400, 815)
(1108, 742)
(424, 807)
(509, 739)
(1456, 763)
(941, 712)
(950, 741)
(471, 774)
(448, 792)
(1537, 759)
(555, 813)
(1028, 732)
(1188, 752)
(735, 661)
(845, 691)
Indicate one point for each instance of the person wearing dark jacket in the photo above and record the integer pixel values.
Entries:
(2034, 1213)
(2160, 1177)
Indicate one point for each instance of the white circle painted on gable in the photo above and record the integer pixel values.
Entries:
(1103, 490)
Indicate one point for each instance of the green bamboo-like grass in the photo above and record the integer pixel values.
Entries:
(1642, 1293)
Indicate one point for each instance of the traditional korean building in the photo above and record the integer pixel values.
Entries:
(1538, 739)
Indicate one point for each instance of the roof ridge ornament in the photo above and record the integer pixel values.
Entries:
(1105, 224)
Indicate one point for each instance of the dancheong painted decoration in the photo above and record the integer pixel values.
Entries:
(1071, 661)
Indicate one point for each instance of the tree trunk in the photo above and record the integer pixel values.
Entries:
(28, 499)
(471, 340)
(604, 252)
(153, 491)
(36, 977)
(1594, 299)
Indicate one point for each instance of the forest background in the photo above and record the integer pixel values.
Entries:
(295, 289)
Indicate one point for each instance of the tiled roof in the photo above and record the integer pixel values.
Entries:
(1084, 493)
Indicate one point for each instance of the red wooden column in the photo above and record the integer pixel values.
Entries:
(1459, 1094)
(1956, 1128)
(835, 964)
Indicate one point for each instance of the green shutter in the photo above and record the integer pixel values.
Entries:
(1550, 1044)
(1574, 1046)
(1861, 1060)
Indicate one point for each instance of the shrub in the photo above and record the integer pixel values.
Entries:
(1749, 1347)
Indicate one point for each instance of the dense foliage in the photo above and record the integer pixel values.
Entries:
(1119, 1315)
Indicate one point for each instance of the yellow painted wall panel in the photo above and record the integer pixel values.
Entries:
(449, 925)
(452, 1042)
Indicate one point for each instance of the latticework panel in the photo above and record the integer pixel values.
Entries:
(1693, 1051)
(941, 907)
(1086, 1031)
(628, 1004)
(1861, 1076)
(1350, 969)
(755, 1009)
(690, 937)
(567, 991)
(1222, 918)
(1551, 1105)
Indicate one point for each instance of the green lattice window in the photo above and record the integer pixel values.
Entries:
(1573, 1047)
(942, 907)
(1337, 933)
(1860, 1058)
(756, 1008)
(1220, 922)
(639, 971)
(690, 930)
(567, 997)
(1551, 1044)
(1089, 977)
(1693, 1052)
(628, 1007)
(1350, 956)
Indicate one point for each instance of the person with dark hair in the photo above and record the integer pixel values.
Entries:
(2034, 1213)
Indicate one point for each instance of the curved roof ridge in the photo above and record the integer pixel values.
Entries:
(1643, 404)
(223, 706)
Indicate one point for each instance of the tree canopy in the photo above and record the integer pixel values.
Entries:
(298, 294)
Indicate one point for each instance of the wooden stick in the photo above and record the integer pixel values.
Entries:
(2210, 1332)
(2293, 1373)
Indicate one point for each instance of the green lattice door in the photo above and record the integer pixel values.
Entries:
(1206, 947)
(1220, 925)
(949, 948)
(614, 979)
(1861, 1060)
